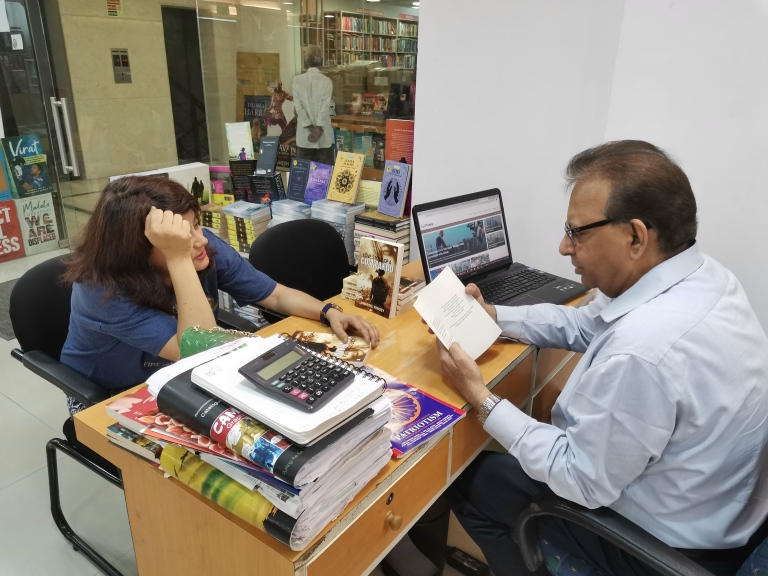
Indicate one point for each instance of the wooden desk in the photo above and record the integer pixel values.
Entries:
(177, 531)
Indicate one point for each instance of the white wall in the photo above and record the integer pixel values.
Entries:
(691, 77)
(505, 95)
(508, 93)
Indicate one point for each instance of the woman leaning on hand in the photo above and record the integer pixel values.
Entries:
(146, 271)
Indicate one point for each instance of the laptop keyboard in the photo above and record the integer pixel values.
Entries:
(511, 286)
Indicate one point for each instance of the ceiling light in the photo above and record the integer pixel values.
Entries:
(329, 15)
(233, 10)
(416, 4)
(374, 0)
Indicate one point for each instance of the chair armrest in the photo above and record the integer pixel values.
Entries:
(67, 379)
(232, 321)
(607, 524)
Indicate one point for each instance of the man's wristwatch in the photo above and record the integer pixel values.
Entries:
(485, 408)
(327, 307)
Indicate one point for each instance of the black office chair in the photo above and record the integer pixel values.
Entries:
(308, 255)
(622, 533)
(39, 310)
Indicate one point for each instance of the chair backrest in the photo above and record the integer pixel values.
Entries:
(308, 255)
(40, 307)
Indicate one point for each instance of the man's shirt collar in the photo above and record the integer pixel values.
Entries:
(656, 281)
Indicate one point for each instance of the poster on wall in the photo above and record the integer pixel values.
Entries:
(262, 100)
(37, 220)
(11, 241)
(195, 177)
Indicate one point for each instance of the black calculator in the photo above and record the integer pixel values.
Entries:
(294, 375)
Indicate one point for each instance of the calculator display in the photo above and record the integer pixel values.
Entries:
(279, 365)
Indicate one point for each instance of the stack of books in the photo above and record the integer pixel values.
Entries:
(349, 288)
(341, 216)
(245, 222)
(212, 219)
(406, 295)
(287, 210)
(251, 313)
(291, 471)
(374, 224)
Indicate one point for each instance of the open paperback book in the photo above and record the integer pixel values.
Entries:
(455, 316)
(354, 351)
(221, 378)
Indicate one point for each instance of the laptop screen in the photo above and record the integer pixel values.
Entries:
(466, 233)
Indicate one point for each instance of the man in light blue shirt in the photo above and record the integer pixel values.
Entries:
(665, 417)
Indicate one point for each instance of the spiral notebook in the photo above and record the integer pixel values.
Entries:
(221, 378)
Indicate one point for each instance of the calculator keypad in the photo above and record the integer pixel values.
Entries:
(311, 383)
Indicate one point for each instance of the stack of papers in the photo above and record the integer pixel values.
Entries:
(287, 210)
(341, 216)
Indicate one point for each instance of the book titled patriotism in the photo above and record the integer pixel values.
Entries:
(394, 188)
(317, 182)
(346, 177)
(378, 276)
(29, 167)
(37, 219)
(416, 415)
(297, 182)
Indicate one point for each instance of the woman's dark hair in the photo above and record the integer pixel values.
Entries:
(645, 184)
(114, 252)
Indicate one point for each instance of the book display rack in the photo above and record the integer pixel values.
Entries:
(350, 37)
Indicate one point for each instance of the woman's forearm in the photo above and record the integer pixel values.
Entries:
(192, 304)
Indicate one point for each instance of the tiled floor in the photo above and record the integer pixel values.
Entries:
(31, 413)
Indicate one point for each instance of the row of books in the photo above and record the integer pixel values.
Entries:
(250, 313)
(374, 224)
(285, 471)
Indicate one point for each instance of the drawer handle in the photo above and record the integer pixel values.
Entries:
(393, 521)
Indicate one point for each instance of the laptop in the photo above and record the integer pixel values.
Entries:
(469, 233)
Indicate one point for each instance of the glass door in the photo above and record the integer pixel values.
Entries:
(37, 155)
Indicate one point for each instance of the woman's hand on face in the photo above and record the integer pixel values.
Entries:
(168, 232)
(341, 322)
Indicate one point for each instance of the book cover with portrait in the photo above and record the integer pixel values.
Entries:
(394, 188)
(346, 177)
(379, 267)
(37, 220)
(28, 166)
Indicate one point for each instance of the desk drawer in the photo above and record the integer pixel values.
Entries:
(468, 434)
(356, 548)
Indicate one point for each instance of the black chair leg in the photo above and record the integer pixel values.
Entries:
(58, 515)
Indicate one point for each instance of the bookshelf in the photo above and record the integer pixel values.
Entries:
(350, 36)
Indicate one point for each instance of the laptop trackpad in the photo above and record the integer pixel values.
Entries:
(524, 301)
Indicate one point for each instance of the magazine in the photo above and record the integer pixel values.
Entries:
(416, 415)
(354, 351)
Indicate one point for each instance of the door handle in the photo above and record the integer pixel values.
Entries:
(72, 167)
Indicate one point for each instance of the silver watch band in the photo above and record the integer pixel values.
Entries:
(485, 408)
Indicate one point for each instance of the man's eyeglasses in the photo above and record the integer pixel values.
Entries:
(571, 232)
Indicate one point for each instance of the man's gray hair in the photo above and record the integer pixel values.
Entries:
(313, 56)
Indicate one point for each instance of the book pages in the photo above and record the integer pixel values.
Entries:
(455, 316)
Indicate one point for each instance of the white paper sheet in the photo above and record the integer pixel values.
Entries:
(455, 316)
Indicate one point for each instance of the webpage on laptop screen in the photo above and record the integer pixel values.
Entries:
(468, 237)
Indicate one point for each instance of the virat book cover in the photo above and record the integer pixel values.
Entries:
(11, 238)
(317, 182)
(379, 267)
(394, 188)
(297, 181)
(29, 167)
(346, 177)
(37, 219)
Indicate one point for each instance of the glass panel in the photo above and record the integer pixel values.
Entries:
(253, 49)
(33, 218)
